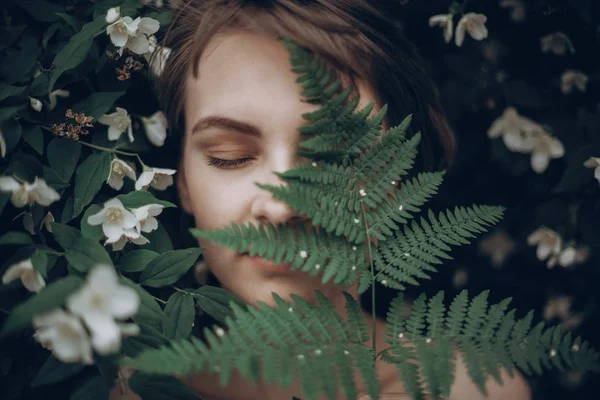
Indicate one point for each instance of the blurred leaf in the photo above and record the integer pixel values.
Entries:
(141, 198)
(160, 387)
(54, 371)
(10, 34)
(49, 34)
(576, 175)
(22, 60)
(76, 50)
(65, 235)
(63, 155)
(149, 338)
(93, 232)
(8, 112)
(583, 8)
(83, 253)
(128, 7)
(150, 312)
(97, 104)
(39, 260)
(32, 135)
(168, 267)
(67, 211)
(521, 93)
(52, 296)
(215, 302)
(136, 260)
(41, 10)
(95, 388)
(71, 20)
(89, 178)
(588, 216)
(54, 179)
(25, 166)
(10, 90)
(15, 237)
(180, 313)
(11, 130)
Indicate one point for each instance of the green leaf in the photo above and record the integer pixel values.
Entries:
(215, 302)
(83, 253)
(71, 20)
(160, 387)
(136, 260)
(65, 235)
(95, 388)
(54, 179)
(4, 197)
(52, 296)
(32, 135)
(93, 232)
(41, 10)
(11, 130)
(15, 237)
(150, 312)
(25, 166)
(54, 371)
(89, 178)
(39, 260)
(7, 113)
(128, 7)
(180, 314)
(160, 241)
(76, 50)
(149, 338)
(67, 211)
(168, 267)
(10, 90)
(63, 155)
(139, 198)
(97, 104)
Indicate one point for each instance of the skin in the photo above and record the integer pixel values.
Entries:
(248, 77)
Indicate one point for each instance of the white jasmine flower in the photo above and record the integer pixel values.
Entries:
(31, 279)
(35, 104)
(545, 147)
(517, 7)
(64, 335)
(118, 122)
(157, 3)
(570, 256)
(557, 43)
(548, 242)
(145, 215)
(118, 170)
(115, 219)
(156, 128)
(132, 34)
(472, 23)
(132, 235)
(28, 223)
(113, 14)
(28, 193)
(157, 178)
(497, 246)
(2, 145)
(572, 78)
(157, 59)
(53, 95)
(98, 302)
(560, 307)
(47, 221)
(594, 162)
(444, 21)
(518, 133)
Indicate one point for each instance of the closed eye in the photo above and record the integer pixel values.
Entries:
(225, 164)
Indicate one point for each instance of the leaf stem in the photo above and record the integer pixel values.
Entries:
(374, 318)
(158, 299)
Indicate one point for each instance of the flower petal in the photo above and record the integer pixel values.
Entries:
(9, 184)
(144, 179)
(149, 26)
(15, 271)
(124, 302)
(106, 335)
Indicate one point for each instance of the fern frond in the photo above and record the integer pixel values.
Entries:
(290, 338)
(484, 354)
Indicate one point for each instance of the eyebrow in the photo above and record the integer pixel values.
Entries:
(218, 121)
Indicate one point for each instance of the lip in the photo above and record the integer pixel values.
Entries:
(268, 265)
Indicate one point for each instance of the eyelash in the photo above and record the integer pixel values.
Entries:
(225, 164)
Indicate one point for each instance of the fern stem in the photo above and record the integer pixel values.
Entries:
(374, 318)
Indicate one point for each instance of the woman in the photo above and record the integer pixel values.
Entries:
(228, 87)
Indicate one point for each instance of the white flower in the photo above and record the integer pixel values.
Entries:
(518, 133)
(545, 147)
(557, 43)
(132, 235)
(31, 279)
(115, 219)
(118, 122)
(157, 3)
(446, 22)
(145, 215)
(2, 145)
(560, 307)
(594, 162)
(157, 178)
(572, 78)
(118, 170)
(157, 59)
(548, 242)
(472, 23)
(517, 13)
(132, 34)
(98, 302)
(53, 95)
(113, 14)
(64, 335)
(497, 246)
(35, 104)
(28, 193)
(156, 128)
(570, 256)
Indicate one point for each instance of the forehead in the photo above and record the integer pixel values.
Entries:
(241, 74)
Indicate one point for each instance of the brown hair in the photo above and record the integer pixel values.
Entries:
(352, 36)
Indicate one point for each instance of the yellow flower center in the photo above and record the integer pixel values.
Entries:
(113, 215)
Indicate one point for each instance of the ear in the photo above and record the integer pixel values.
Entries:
(182, 189)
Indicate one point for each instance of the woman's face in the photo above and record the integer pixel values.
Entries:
(245, 109)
